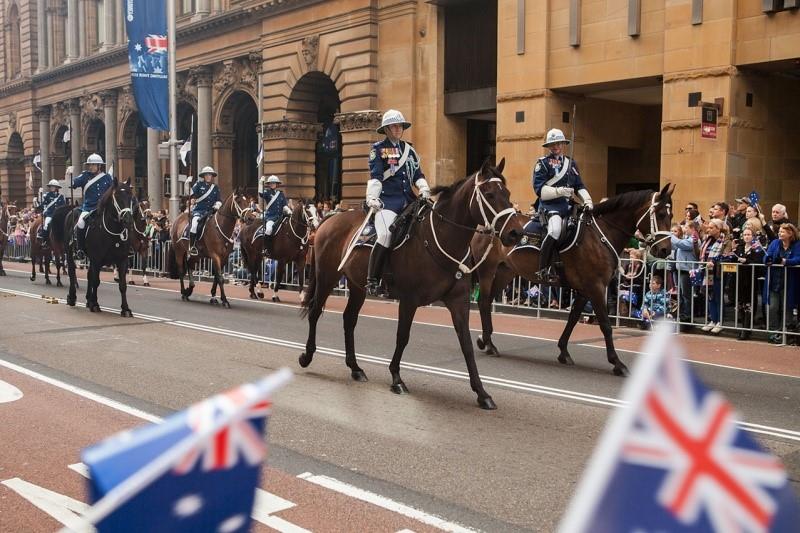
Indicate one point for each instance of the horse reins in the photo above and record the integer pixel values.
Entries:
(240, 213)
(483, 205)
(123, 235)
(304, 239)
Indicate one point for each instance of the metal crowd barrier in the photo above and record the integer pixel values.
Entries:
(624, 296)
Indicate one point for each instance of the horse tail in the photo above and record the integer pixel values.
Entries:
(172, 263)
(59, 223)
(309, 297)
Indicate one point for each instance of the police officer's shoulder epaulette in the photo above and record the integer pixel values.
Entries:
(539, 162)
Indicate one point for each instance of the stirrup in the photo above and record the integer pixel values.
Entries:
(547, 276)
(193, 251)
(372, 287)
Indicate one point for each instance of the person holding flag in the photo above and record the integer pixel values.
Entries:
(95, 183)
(275, 208)
(206, 195)
(51, 201)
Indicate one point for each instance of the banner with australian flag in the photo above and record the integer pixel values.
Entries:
(146, 22)
(675, 459)
(195, 471)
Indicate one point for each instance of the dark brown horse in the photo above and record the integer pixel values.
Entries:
(108, 240)
(42, 252)
(430, 266)
(141, 241)
(589, 263)
(290, 244)
(216, 243)
(8, 222)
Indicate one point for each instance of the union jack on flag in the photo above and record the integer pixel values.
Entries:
(156, 44)
(674, 459)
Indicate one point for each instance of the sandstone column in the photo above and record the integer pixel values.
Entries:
(41, 34)
(72, 30)
(43, 114)
(75, 136)
(203, 8)
(289, 153)
(81, 28)
(358, 133)
(110, 111)
(155, 183)
(109, 6)
(203, 78)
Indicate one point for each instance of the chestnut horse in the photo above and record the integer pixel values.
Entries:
(8, 217)
(42, 251)
(141, 242)
(216, 243)
(429, 266)
(589, 263)
(290, 244)
(108, 239)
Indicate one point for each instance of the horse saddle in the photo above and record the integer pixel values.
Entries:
(262, 228)
(201, 227)
(401, 228)
(535, 231)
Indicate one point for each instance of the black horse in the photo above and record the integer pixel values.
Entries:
(108, 242)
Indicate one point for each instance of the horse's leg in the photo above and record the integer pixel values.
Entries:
(220, 280)
(3, 245)
(599, 305)
(574, 315)
(122, 270)
(489, 289)
(73, 278)
(59, 266)
(91, 287)
(46, 258)
(323, 286)
(180, 267)
(405, 317)
(457, 302)
(350, 318)
(33, 264)
(252, 269)
(279, 271)
(145, 257)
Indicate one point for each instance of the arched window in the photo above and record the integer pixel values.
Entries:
(13, 45)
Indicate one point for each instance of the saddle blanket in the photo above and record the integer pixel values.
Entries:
(201, 227)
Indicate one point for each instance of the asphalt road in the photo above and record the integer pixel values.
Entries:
(514, 468)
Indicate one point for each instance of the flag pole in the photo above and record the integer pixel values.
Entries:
(260, 134)
(174, 198)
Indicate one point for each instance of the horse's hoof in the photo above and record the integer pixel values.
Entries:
(146, 284)
(126, 313)
(116, 279)
(184, 298)
(48, 282)
(260, 295)
(226, 304)
(2, 272)
(566, 359)
(487, 403)
(32, 278)
(59, 284)
(71, 301)
(491, 349)
(621, 370)
(94, 308)
(131, 282)
(276, 299)
(304, 359)
(213, 301)
(399, 388)
(253, 296)
(480, 343)
(359, 375)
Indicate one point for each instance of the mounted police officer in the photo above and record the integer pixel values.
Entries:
(393, 167)
(206, 195)
(51, 201)
(275, 207)
(95, 182)
(555, 179)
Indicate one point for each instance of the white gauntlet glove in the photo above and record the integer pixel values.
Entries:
(565, 192)
(587, 200)
(374, 189)
(424, 188)
(217, 205)
(287, 210)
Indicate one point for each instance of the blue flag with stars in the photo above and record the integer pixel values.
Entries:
(146, 22)
(196, 471)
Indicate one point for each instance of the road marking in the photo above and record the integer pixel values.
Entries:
(450, 327)
(381, 501)
(416, 367)
(9, 393)
(62, 508)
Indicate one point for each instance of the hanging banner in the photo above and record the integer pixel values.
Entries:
(146, 22)
(708, 126)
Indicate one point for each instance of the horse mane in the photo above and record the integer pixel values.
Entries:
(626, 201)
(445, 192)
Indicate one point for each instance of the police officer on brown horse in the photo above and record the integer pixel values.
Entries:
(393, 167)
(555, 179)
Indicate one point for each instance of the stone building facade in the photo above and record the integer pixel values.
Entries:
(478, 78)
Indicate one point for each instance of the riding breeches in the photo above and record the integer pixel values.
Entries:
(554, 221)
(46, 223)
(268, 226)
(195, 222)
(384, 219)
(82, 219)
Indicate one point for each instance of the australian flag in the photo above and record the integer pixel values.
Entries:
(674, 459)
(146, 22)
(196, 471)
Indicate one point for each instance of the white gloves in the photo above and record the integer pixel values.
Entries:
(587, 200)
(553, 193)
(374, 189)
(217, 205)
(287, 210)
(565, 192)
(424, 188)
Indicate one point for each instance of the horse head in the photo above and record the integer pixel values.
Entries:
(120, 201)
(490, 204)
(656, 221)
(312, 215)
(236, 205)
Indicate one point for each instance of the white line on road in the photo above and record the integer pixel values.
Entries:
(473, 330)
(427, 369)
(9, 393)
(381, 501)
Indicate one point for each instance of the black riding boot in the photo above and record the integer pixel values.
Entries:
(376, 259)
(545, 259)
(192, 244)
(80, 240)
(268, 240)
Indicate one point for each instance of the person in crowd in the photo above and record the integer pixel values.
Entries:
(756, 225)
(782, 282)
(631, 287)
(779, 217)
(719, 211)
(692, 215)
(684, 243)
(739, 216)
(716, 248)
(326, 208)
(750, 256)
(654, 305)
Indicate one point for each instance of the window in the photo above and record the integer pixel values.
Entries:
(13, 48)
(185, 7)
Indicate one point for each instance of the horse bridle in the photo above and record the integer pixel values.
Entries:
(123, 235)
(241, 213)
(489, 227)
(304, 239)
